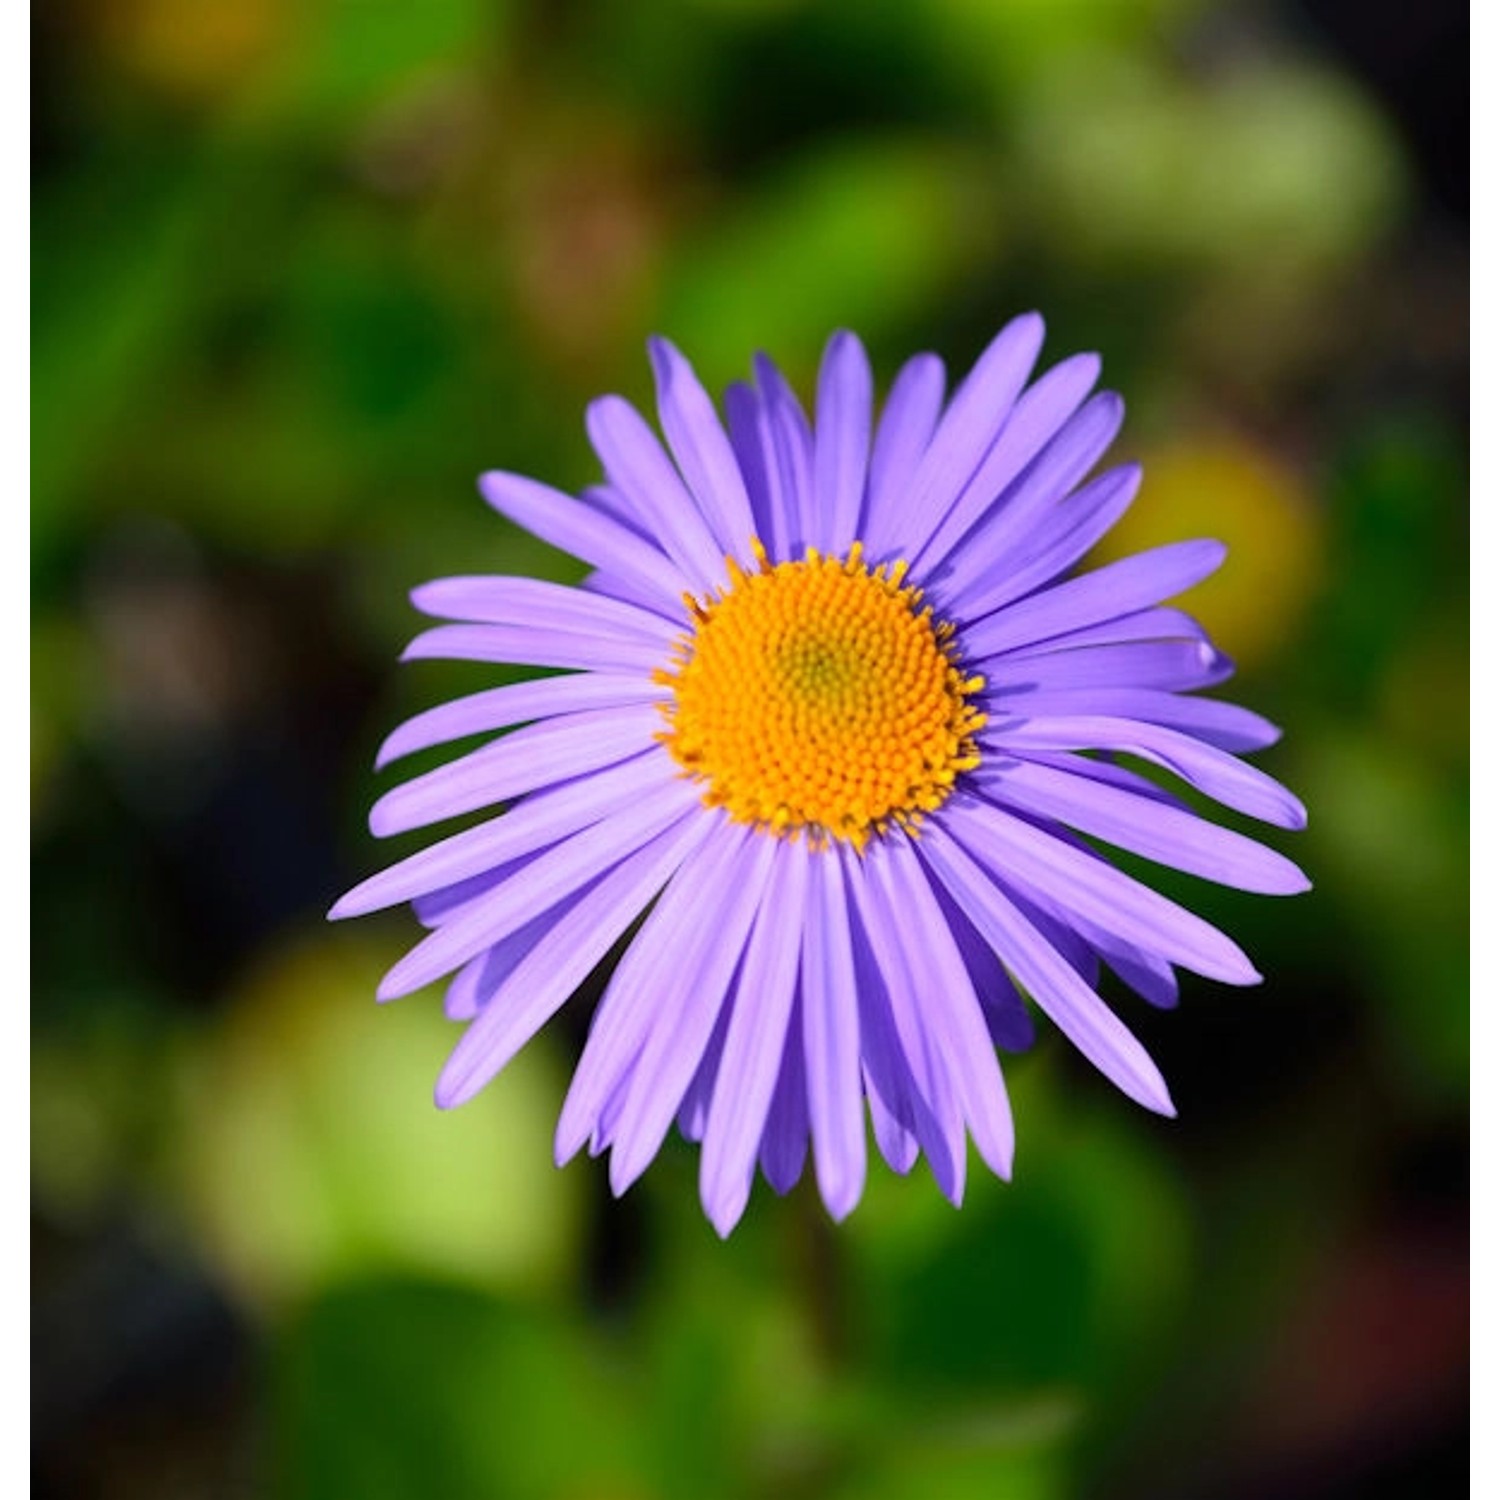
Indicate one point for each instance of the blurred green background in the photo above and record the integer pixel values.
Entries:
(302, 269)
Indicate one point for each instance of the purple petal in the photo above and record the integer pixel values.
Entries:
(750, 437)
(1036, 421)
(1149, 975)
(1226, 725)
(1091, 768)
(476, 984)
(830, 1036)
(549, 974)
(1024, 856)
(937, 1115)
(554, 876)
(689, 1009)
(536, 646)
(901, 438)
(533, 601)
(841, 446)
(535, 822)
(692, 1113)
(1010, 1024)
(754, 1043)
(1168, 835)
(973, 421)
(783, 1148)
(895, 1103)
(515, 703)
(1011, 514)
(1172, 665)
(896, 1142)
(538, 755)
(632, 998)
(952, 1011)
(587, 533)
(1058, 540)
(1076, 1010)
(639, 469)
(1135, 583)
(1156, 624)
(789, 449)
(434, 908)
(1215, 773)
(701, 449)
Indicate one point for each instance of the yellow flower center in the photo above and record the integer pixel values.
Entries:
(820, 696)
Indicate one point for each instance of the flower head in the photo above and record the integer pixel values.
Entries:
(836, 721)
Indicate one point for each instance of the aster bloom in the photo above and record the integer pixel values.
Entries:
(835, 720)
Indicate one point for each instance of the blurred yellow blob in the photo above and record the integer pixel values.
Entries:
(1224, 487)
(310, 1149)
(189, 48)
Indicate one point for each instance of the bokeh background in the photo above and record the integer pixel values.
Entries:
(302, 268)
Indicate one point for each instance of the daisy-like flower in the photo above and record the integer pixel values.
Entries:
(836, 727)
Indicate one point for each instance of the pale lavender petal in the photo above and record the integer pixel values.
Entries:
(937, 1116)
(607, 1116)
(1143, 969)
(789, 446)
(894, 1099)
(1076, 1010)
(841, 446)
(608, 500)
(952, 1011)
(612, 586)
(906, 426)
(1091, 767)
(689, 1008)
(750, 437)
(556, 874)
(897, 1144)
(475, 985)
(1121, 588)
(470, 989)
(754, 1043)
(1168, 835)
(532, 824)
(544, 979)
(1024, 856)
(538, 755)
(1039, 421)
(515, 703)
(830, 1036)
(433, 908)
(1226, 725)
(975, 417)
(1060, 538)
(1010, 1024)
(701, 449)
(783, 1148)
(1015, 512)
(496, 600)
(587, 533)
(1213, 772)
(633, 996)
(1061, 928)
(1173, 665)
(1158, 623)
(537, 646)
(639, 469)
(1148, 974)
(692, 1113)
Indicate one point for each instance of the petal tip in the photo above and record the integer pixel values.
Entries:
(393, 987)
(724, 1210)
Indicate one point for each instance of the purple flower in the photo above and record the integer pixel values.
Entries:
(834, 719)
